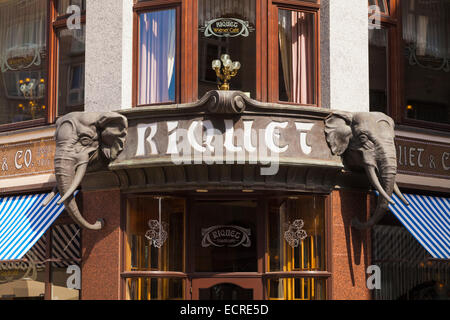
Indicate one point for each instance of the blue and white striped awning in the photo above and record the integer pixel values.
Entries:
(428, 220)
(23, 220)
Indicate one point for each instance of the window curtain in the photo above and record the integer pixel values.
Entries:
(426, 24)
(296, 39)
(23, 24)
(157, 56)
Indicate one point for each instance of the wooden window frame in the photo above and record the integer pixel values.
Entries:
(396, 72)
(181, 7)
(55, 23)
(273, 57)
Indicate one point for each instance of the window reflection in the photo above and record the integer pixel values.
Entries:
(296, 289)
(286, 216)
(23, 58)
(157, 50)
(378, 69)
(155, 289)
(143, 221)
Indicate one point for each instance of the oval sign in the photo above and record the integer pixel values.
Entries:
(227, 27)
(17, 270)
(230, 236)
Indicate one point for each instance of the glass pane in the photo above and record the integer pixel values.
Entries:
(296, 47)
(227, 27)
(157, 50)
(71, 70)
(25, 281)
(155, 289)
(66, 270)
(296, 289)
(23, 52)
(225, 236)
(297, 234)
(63, 6)
(378, 69)
(226, 291)
(155, 241)
(426, 30)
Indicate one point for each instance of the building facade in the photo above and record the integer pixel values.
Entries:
(224, 149)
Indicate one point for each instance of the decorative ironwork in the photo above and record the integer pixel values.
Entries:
(295, 234)
(415, 61)
(157, 234)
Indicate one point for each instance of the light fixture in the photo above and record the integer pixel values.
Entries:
(225, 70)
(202, 191)
(32, 90)
(409, 107)
(248, 191)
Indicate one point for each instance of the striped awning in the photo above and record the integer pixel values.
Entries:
(23, 220)
(427, 218)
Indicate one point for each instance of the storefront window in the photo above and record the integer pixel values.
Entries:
(23, 58)
(296, 234)
(71, 70)
(296, 47)
(157, 57)
(227, 27)
(426, 29)
(226, 240)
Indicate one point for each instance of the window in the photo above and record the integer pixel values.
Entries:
(155, 243)
(24, 60)
(255, 248)
(42, 66)
(273, 44)
(296, 241)
(293, 53)
(426, 29)
(409, 63)
(156, 53)
(227, 27)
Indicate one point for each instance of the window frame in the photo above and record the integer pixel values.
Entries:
(55, 23)
(273, 56)
(149, 6)
(396, 72)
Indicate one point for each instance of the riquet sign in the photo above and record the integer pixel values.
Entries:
(227, 27)
(27, 158)
(230, 236)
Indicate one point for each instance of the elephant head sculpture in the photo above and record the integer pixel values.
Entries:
(84, 139)
(365, 140)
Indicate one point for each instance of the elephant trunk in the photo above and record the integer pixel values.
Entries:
(387, 186)
(68, 177)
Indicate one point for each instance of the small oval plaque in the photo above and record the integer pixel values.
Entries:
(227, 27)
(230, 236)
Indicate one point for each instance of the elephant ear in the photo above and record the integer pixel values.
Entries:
(112, 129)
(338, 131)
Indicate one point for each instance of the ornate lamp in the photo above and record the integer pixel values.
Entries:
(225, 70)
(32, 90)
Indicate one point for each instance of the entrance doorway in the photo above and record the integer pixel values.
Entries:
(225, 250)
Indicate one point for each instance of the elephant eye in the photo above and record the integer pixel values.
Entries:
(85, 140)
(363, 138)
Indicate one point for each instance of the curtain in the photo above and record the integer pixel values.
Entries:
(23, 25)
(296, 39)
(426, 24)
(157, 57)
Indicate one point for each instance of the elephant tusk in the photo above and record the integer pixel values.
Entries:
(400, 194)
(50, 197)
(80, 171)
(376, 183)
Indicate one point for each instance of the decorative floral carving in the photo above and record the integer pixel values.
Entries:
(295, 234)
(157, 234)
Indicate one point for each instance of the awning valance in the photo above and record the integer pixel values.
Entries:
(428, 220)
(23, 220)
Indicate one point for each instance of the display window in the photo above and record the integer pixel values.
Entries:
(225, 248)
(42, 53)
